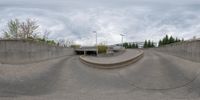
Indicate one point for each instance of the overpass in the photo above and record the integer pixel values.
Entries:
(87, 51)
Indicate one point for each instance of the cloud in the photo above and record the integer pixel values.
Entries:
(76, 20)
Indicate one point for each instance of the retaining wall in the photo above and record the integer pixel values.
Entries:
(112, 64)
(188, 50)
(23, 51)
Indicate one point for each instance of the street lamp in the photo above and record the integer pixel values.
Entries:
(122, 35)
(96, 43)
(96, 36)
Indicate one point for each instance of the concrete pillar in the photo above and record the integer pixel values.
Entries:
(97, 52)
(84, 52)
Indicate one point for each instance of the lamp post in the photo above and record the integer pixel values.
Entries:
(122, 35)
(95, 36)
(96, 42)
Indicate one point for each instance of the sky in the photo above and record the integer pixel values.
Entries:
(78, 19)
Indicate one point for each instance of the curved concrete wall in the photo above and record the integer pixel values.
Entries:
(188, 50)
(21, 51)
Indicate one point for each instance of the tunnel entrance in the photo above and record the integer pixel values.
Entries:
(79, 52)
(91, 53)
(86, 52)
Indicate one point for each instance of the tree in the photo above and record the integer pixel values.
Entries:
(136, 46)
(21, 30)
(102, 48)
(160, 43)
(66, 42)
(61, 42)
(50, 42)
(152, 44)
(130, 45)
(133, 45)
(171, 40)
(28, 29)
(125, 45)
(69, 42)
(149, 43)
(168, 40)
(46, 34)
(13, 31)
(145, 44)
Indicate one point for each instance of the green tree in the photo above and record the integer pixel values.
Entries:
(102, 48)
(149, 44)
(168, 40)
(171, 40)
(160, 43)
(21, 30)
(13, 31)
(133, 45)
(152, 44)
(145, 44)
(136, 46)
(125, 45)
(130, 45)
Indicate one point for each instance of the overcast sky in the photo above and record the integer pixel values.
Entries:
(77, 19)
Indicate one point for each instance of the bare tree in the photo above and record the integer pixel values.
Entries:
(46, 34)
(28, 28)
(69, 42)
(65, 42)
(61, 42)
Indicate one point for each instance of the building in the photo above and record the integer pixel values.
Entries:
(140, 44)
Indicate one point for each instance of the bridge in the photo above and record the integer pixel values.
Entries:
(86, 51)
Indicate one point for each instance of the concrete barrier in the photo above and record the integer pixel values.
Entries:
(113, 65)
(23, 51)
(187, 50)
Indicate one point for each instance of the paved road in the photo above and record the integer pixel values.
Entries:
(127, 55)
(156, 76)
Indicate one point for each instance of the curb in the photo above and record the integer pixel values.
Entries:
(113, 65)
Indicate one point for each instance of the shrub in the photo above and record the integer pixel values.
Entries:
(102, 48)
(75, 46)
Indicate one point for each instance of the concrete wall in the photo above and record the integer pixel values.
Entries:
(21, 51)
(188, 50)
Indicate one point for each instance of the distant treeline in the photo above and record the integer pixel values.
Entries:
(148, 44)
(164, 41)
(130, 45)
(151, 44)
(168, 40)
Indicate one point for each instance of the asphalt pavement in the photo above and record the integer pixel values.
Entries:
(157, 76)
(127, 55)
